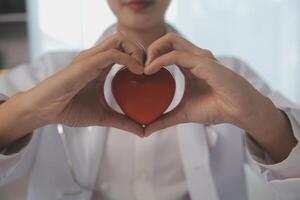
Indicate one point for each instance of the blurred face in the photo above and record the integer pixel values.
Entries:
(139, 14)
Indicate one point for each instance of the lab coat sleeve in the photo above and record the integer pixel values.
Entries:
(22, 78)
(26, 76)
(16, 165)
(284, 177)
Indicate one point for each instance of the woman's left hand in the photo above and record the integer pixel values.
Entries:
(214, 94)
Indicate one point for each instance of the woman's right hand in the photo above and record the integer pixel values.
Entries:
(74, 96)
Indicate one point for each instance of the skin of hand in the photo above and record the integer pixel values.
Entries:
(74, 96)
(215, 94)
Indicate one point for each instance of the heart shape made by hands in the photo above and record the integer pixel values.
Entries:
(143, 98)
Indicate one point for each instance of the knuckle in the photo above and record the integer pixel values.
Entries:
(79, 57)
(176, 55)
(207, 52)
(115, 37)
(113, 53)
(119, 35)
(83, 53)
(80, 67)
(204, 62)
(171, 35)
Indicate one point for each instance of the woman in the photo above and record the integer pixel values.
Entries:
(227, 116)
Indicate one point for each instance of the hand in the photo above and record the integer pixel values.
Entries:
(214, 94)
(75, 95)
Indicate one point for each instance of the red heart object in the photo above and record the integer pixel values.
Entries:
(143, 98)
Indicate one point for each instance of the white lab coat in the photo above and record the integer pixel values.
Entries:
(213, 157)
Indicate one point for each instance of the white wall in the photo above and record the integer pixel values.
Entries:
(265, 33)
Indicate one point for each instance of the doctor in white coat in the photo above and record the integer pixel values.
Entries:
(56, 126)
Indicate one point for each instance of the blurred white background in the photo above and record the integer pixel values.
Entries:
(264, 33)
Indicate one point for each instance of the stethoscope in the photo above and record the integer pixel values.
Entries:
(71, 167)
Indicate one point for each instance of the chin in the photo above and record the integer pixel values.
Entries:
(139, 23)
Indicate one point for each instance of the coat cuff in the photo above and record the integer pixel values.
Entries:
(262, 162)
(3, 97)
(9, 162)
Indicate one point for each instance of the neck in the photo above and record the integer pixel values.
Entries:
(144, 36)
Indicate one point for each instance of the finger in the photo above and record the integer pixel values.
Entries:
(117, 120)
(167, 43)
(120, 42)
(118, 57)
(179, 58)
(106, 59)
(75, 77)
(133, 48)
(174, 117)
(111, 42)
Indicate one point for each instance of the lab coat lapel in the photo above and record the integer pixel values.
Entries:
(195, 158)
(194, 149)
(94, 153)
(86, 147)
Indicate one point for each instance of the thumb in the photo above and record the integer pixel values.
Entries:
(119, 121)
(174, 117)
